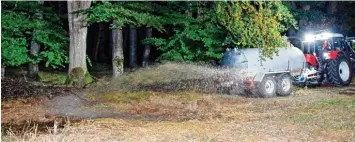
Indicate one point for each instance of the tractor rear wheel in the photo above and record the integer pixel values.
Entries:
(339, 71)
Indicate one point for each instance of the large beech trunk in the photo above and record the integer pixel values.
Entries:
(146, 53)
(77, 52)
(132, 46)
(117, 52)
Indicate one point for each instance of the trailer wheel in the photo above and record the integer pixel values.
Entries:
(284, 85)
(267, 87)
(339, 71)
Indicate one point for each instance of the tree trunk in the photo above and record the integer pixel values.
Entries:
(146, 53)
(78, 74)
(117, 52)
(33, 67)
(189, 5)
(2, 72)
(99, 38)
(102, 45)
(133, 46)
(34, 51)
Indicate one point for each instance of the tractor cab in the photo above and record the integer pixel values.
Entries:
(323, 47)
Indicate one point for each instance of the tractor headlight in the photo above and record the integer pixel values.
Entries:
(326, 55)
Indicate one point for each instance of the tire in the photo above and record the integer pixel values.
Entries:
(339, 71)
(284, 85)
(267, 87)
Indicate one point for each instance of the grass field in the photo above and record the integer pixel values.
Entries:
(116, 111)
(320, 114)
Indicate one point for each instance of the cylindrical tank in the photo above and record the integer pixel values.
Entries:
(288, 59)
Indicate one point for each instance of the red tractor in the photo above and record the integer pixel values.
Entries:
(329, 58)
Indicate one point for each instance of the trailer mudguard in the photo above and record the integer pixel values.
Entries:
(259, 77)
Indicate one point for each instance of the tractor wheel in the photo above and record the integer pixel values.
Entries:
(339, 71)
(267, 87)
(284, 85)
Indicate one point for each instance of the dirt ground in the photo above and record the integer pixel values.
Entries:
(313, 114)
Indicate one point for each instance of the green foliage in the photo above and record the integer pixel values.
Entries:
(22, 22)
(194, 38)
(225, 24)
(122, 13)
(13, 39)
(201, 30)
(256, 24)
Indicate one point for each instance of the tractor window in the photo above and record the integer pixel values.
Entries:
(309, 48)
(320, 45)
(337, 45)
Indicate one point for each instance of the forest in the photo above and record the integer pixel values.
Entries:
(151, 71)
(74, 35)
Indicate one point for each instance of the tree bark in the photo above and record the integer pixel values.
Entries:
(33, 67)
(34, 50)
(78, 73)
(133, 46)
(117, 52)
(102, 48)
(189, 13)
(146, 53)
(99, 38)
(2, 72)
(125, 38)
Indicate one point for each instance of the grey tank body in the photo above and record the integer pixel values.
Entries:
(290, 59)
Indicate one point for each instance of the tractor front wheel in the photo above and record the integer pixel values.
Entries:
(339, 71)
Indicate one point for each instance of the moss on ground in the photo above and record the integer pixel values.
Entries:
(79, 77)
(52, 78)
(88, 78)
